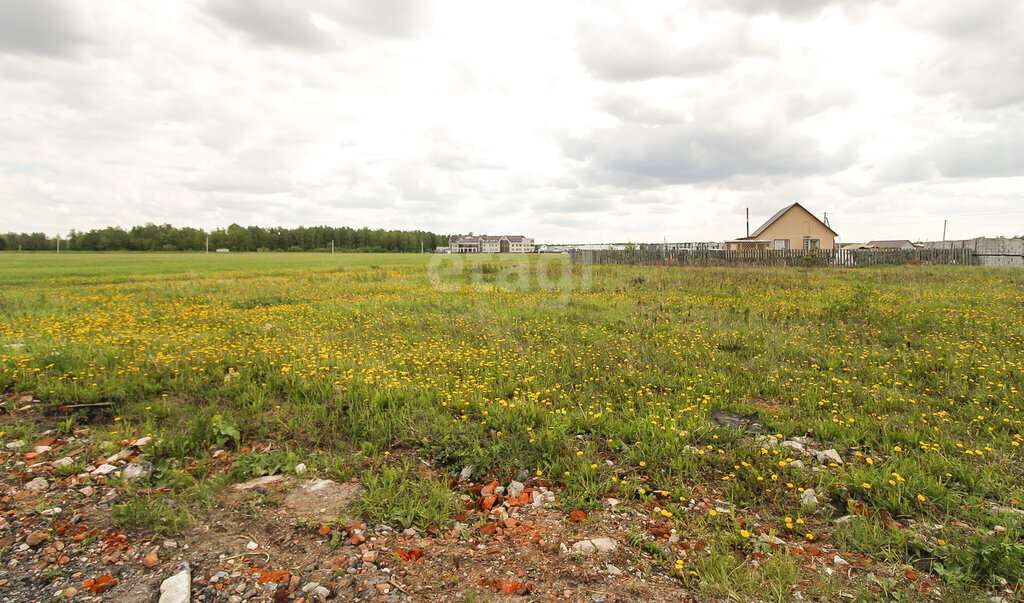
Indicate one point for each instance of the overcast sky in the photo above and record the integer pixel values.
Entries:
(566, 121)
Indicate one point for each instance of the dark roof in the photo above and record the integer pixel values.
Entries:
(781, 213)
(892, 243)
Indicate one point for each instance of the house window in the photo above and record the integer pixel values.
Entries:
(781, 243)
(810, 244)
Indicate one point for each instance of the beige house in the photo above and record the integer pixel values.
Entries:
(491, 244)
(792, 227)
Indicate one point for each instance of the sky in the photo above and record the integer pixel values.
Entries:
(565, 121)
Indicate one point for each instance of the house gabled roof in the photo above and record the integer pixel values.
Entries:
(890, 243)
(781, 213)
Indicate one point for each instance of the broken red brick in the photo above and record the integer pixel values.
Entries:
(277, 577)
(35, 538)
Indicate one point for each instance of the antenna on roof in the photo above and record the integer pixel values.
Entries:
(826, 220)
(748, 222)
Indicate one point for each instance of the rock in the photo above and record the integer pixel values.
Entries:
(839, 560)
(829, 456)
(177, 588)
(369, 556)
(843, 519)
(252, 545)
(120, 456)
(37, 485)
(258, 483)
(466, 473)
(139, 443)
(300, 468)
(150, 560)
(35, 538)
(797, 464)
(795, 446)
(322, 592)
(322, 499)
(169, 544)
(522, 475)
(43, 449)
(87, 491)
(62, 462)
(515, 489)
(15, 445)
(612, 570)
(104, 469)
(595, 545)
(409, 532)
(751, 422)
(137, 470)
(611, 502)
(808, 498)
(52, 511)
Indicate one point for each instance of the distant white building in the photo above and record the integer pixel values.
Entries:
(491, 244)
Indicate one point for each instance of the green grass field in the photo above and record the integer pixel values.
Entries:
(602, 382)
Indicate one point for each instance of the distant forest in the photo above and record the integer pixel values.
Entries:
(165, 237)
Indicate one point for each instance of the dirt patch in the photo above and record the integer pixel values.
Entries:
(322, 500)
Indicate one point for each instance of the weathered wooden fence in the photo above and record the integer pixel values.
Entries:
(847, 258)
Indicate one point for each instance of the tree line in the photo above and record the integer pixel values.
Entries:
(164, 237)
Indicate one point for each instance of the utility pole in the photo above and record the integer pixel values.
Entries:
(944, 230)
(332, 246)
(207, 243)
(58, 243)
(748, 222)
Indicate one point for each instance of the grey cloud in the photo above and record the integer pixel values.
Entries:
(806, 104)
(797, 8)
(674, 47)
(980, 55)
(267, 21)
(39, 27)
(992, 155)
(699, 151)
(633, 110)
(790, 8)
(395, 18)
(291, 23)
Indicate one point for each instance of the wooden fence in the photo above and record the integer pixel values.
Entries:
(846, 258)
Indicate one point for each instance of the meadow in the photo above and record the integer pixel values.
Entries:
(596, 380)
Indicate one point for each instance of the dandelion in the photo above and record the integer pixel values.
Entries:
(866, 486)
(921, 497)
(744, 533)
(713, 513)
